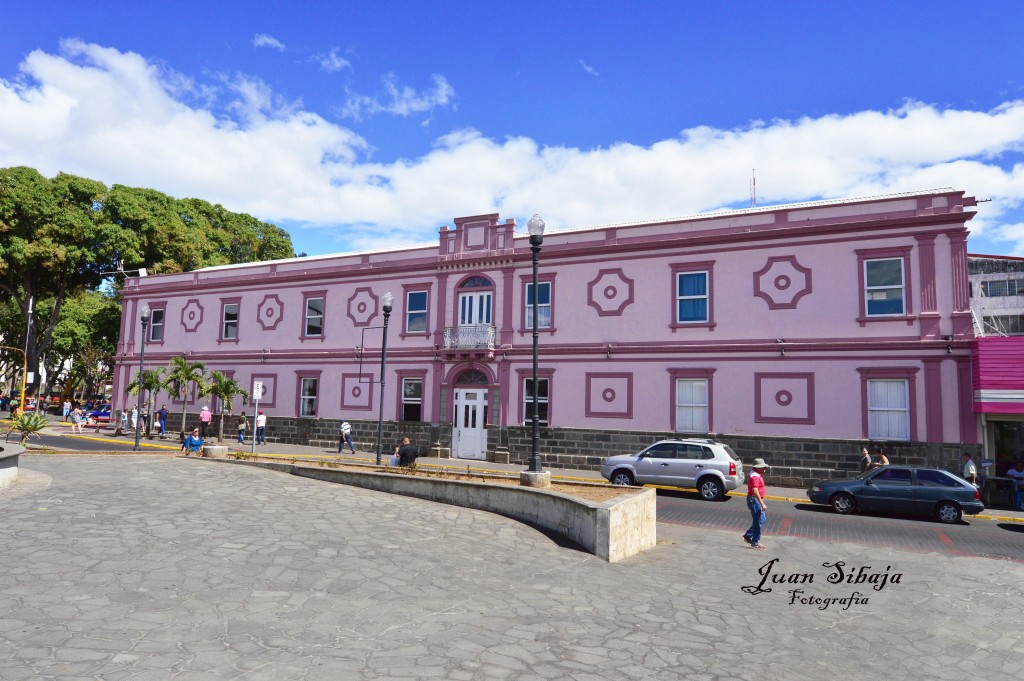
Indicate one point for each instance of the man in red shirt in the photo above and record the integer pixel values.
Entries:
(755, 502)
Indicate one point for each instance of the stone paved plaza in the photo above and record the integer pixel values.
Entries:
(159, 568)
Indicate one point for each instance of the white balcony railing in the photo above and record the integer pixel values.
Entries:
(473, 337)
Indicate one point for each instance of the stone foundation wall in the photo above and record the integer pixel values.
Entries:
(795, 462)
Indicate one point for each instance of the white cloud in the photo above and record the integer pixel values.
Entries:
(333, 62)
(117, 117)
(588, 68)
(399, 100)
(264, 40)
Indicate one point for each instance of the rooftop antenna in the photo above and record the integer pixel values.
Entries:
(753, 188)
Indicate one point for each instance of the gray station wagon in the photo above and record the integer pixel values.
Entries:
(708, 466)
(901, 489)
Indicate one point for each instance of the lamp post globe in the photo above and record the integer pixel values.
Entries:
(387, 300)
(536, 229)
(144, 316)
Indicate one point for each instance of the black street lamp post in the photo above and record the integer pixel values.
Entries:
(142, 359)
(536, 229)
(388, 299)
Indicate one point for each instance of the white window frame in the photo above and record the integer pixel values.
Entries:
(888, 421)
(692, 416)
(311, 399)
(154, 325)
(541, 400)
(308, 317)
(868, 289)
(706, 296)
(412, 313)
(545, 320)
(224, 323)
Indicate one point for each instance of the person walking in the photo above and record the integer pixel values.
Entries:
(755, 503)
(968, 471)
(66, 410)
(135, 418)
(243, 425)
(865, 460)
(880, 458)
(345, 437)
(76, 420)
(261, 428)
(205, 416)
(162, 418)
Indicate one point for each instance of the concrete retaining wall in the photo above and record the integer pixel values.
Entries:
(612, 530)
(9, 455)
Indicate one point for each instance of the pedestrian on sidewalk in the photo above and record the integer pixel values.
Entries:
(865, 460)
(76, 420)
(968, 471)
(755, 502)
(162, 418)
(66, 410)
(243, 425)
(1017, 475)
(135, 418)
(261, 428)
(205, 416)
(345, 437)
(880, 458)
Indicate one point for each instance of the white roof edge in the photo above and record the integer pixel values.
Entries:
(695, 216)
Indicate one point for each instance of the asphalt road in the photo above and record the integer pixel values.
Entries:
(973, 537)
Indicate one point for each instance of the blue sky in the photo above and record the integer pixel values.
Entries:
(366, 125)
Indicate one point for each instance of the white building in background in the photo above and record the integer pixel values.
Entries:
(997, 294)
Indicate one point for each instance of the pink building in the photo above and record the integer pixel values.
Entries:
(834, 320)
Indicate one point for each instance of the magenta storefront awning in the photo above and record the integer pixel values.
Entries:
(999, 375)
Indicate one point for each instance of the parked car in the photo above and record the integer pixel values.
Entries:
(902, 490)
(99, 415)
(709, 466)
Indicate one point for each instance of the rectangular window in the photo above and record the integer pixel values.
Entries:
(229, 323)
(691, 297)
(156, 326)
(888, 409)
(692, 405)
(314, 317)
(884, 287)
(1003, 287)
(1004, 325)
(412, 399)
(543, 305)
(307, 396)
(416, 312)
(542, 401)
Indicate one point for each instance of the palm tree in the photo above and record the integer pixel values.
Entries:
(224, 389)
(152, 383)
(183, 373)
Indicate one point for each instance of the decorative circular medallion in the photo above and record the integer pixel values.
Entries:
(610, 292)
(784, 397)
(356, 391)
(782, 282)
(608, 395)
(361, 307)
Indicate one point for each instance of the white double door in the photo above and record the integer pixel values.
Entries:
(469, 435)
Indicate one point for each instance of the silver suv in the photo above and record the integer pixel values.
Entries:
(708, 466)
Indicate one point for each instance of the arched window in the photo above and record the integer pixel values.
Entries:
(472, 377)
(477, 282)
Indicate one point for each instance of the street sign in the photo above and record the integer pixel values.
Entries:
(257, 389)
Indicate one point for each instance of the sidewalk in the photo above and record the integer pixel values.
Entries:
(288, 451)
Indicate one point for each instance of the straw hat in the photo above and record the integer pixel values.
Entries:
(759, 463)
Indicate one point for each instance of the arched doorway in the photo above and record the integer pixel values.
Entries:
(469, 427)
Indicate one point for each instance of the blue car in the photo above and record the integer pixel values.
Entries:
(907, 490)
(99, 415)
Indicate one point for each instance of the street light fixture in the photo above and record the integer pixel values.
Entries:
(388, 299)
(536, 229)
(142, 358)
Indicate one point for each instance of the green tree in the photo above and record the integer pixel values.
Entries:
(55, 241)
(225, 389)
(85, 339)
(181, 375)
